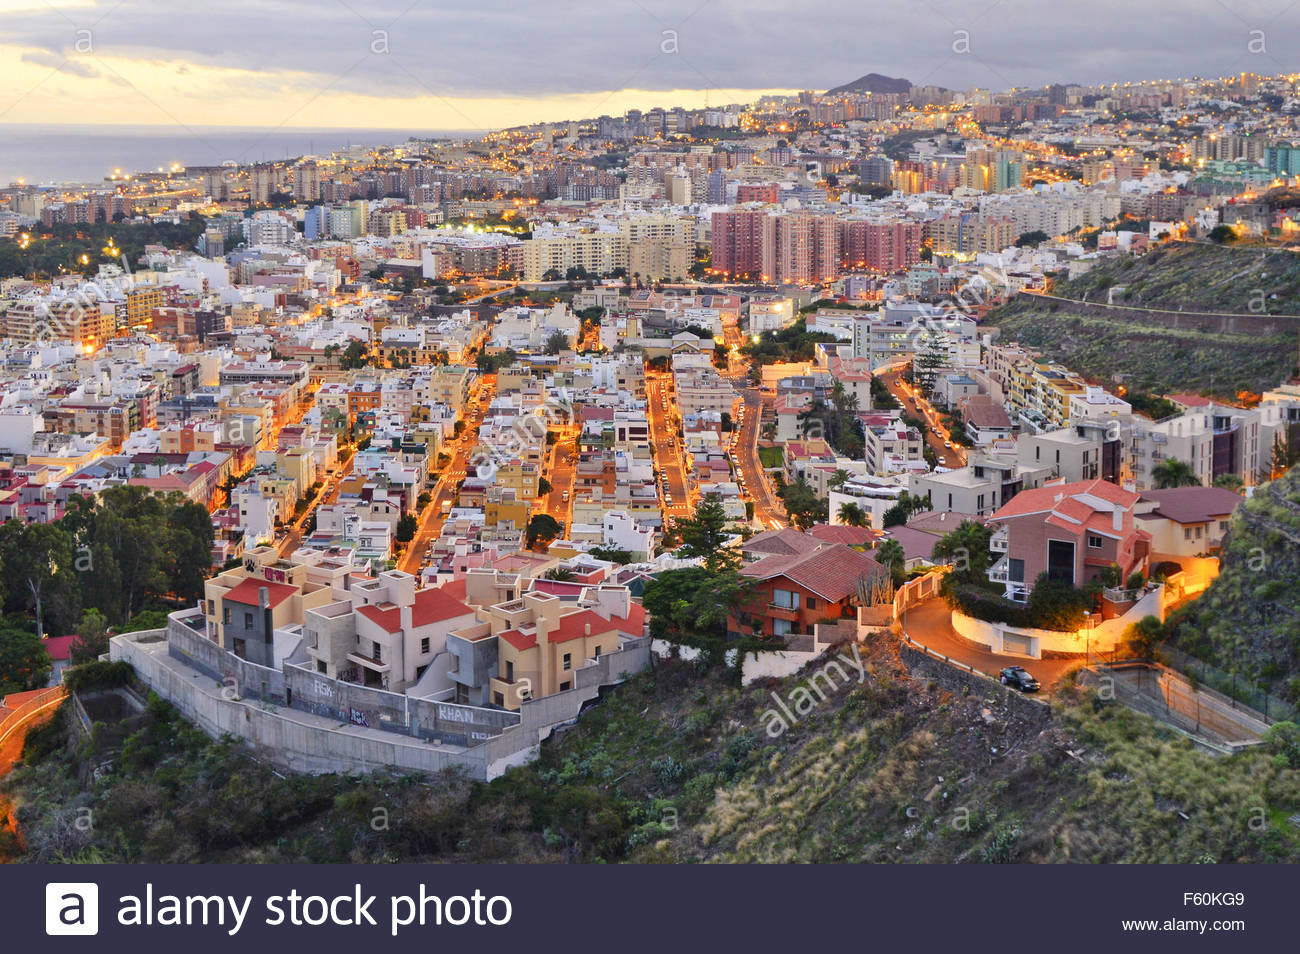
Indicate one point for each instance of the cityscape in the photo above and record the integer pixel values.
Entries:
(885, 472)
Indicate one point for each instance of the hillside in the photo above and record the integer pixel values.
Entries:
(1165, 349)
(873, 83)
(1248, 622)
(909, 764)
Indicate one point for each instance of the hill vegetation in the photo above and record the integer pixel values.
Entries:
(909, 763)
(1163, 350)
(1248, 622)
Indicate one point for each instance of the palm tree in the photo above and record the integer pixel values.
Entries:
(852, 515)
(889, 554)
(837, 479)
(1172, 472)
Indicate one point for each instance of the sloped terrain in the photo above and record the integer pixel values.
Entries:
(1168, 349)
(1248, 622)
(912, 763)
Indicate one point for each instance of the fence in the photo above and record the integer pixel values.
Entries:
(918, 591)
(1236, 689)
(17, 717)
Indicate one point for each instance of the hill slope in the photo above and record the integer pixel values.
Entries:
(908, 764)
(1248, 622)
(1148, 341)
(873, 83)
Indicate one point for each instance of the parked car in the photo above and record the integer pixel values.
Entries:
(1017, 678)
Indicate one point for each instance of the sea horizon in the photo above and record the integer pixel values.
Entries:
(57, 153)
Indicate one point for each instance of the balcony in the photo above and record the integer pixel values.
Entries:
(1000, 572)
(1000, 540)
(375, 665)
(778, 611)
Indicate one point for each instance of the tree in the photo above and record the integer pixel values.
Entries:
(889, 554)
(1056, 605)
(542, 528)
(407, 527)
(802, 504)
(902, 511)
(1032, 238)
(24, 663)
(355, 355)
(690, 606)
(1172, 472)
(611, 554)
(966, 550)
(1229, 482)
(543, 487)
(92, 637)
(556, 342)
(852, 515)
(38, 558)
(837, 479)
(1222, 234)
(704, 535)
(561, 574)
(423, 500)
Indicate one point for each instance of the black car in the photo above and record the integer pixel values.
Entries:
(1017, 678)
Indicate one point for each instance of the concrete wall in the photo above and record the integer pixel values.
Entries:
(310, 723)
(1101, 638)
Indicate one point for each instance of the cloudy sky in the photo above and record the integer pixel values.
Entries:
(433, 64)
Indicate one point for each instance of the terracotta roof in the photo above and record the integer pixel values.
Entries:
(785, 541)
(59, 647)
(1192, 504)
(1054, 497)
(246, 592)
(432, 605)
(832, 571)
(842, 533)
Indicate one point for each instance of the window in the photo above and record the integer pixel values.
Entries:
(225, 614)
(379, 653)
(1015, 570)
(1187, 533)
(248, 620)
(424, 644)
(498, 699)
(810, 603)
(564, 686)
(785, 599)
(510, 670)
(1223, 525)
(595, 654)
(211, 607)
(1094, 541)
(568, 661)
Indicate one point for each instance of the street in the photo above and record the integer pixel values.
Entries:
(914, 405)
(930, 624)
(460, 448)
(668, 451)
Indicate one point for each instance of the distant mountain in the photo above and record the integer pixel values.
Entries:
(873, 83)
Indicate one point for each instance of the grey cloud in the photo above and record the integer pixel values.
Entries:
(556, 47)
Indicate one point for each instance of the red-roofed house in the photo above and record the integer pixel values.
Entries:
(795, 591)
(399, 633)
(1071, 532)
(244, 606)
(541, 642)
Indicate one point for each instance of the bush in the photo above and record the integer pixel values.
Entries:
(1135, 581)
(98, 675)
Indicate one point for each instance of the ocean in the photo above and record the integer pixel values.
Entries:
(53, 154)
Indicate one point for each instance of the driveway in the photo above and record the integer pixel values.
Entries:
(930, 625)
